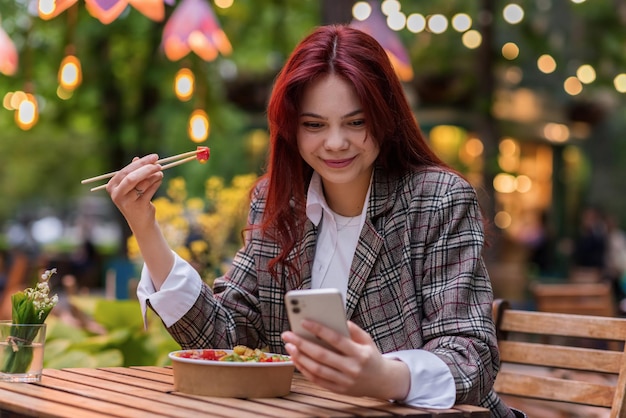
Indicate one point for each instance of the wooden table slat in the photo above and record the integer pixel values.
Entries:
(306, 409)
(63, 398)
(149, 391)
(142, 378)
(474, 411)
(148, 400)
(153, 397)
(25, 404)
(376, 404)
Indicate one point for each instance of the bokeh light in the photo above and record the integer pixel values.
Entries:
(513, 13)
(437, 23)
(586, 74)
(472, 39)
(546, 64)
(198, 128)
(572, 86)
(184, 84)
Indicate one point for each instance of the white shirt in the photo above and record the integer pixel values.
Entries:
(432, 384)
(337, 239)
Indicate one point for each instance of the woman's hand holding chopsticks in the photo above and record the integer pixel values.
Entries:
(201, 154)
(131, 190)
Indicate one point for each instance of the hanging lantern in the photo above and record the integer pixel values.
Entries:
(152, 9)
(48, 9)
(376, 26)
(198, 128)
(106, 11)
(193, 26)
(8, 54)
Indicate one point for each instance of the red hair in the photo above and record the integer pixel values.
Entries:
(362, 61)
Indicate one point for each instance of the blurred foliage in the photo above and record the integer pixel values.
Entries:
(206, 231)
(115, 336)
(126, 105)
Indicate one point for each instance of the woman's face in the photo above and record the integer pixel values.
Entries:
(333, 135)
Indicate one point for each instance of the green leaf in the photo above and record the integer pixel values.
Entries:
(109, 358)
(99, 342)
(55, 348)
(72, 358)
(58, 329)
(113, 314)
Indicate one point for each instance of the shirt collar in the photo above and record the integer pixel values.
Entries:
(315, 200)
(316, 203)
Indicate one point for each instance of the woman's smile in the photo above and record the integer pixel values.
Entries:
(339, 163)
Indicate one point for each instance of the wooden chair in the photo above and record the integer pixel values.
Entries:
(585, 275)
(561, 373)
(575, 298)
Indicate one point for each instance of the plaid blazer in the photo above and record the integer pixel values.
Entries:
(417, 281)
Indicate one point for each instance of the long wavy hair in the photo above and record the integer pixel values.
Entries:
(361, 60)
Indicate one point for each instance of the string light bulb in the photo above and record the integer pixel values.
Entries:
(27, 112)
(198, 128)
(70, 73)
(184, 84)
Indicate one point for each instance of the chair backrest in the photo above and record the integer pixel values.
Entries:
(585, 275)
(575, 298)
(570, 372)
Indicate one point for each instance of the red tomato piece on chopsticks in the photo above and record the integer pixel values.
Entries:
(203, 154)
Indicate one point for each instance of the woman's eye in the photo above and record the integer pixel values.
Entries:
(311, 125)
(358, 122)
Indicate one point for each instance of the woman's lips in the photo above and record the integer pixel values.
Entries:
(339, 163)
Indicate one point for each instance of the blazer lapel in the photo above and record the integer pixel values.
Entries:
(370, 244)
(382, 198)
(306, 254)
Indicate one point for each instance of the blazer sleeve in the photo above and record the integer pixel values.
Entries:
(457, 294)
(230, 313)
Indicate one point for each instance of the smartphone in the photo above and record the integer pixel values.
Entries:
(320, 305)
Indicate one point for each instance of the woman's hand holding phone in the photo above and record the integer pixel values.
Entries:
(324, 306)
(339, 358)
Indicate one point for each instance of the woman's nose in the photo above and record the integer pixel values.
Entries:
(336, 140)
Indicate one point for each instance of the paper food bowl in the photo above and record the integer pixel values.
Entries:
(231, 379)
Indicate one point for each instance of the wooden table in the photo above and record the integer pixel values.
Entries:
(148, 392)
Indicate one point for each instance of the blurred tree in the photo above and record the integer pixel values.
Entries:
(126, 105)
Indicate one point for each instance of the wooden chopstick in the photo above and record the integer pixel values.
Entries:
(163, 160)
(182, 159)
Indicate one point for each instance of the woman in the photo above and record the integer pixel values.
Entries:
(353, 198)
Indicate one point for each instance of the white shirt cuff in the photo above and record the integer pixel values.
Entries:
(177, 295)
(432, 384)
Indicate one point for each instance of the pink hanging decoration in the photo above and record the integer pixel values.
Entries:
(193, 26)
(106, 11)
(8, 54)
(376, 26)
(152, 9)
(49, 9)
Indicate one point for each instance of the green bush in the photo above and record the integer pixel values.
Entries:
(109, 333)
